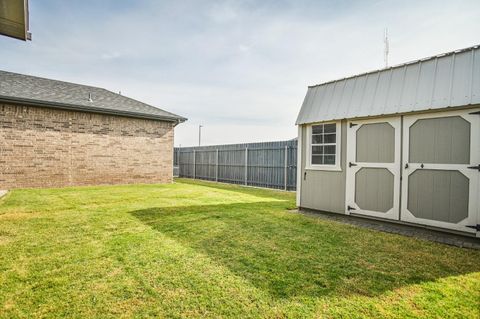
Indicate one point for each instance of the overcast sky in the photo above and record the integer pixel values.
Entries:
(239, 68)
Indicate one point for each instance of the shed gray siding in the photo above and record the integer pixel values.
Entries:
(324, 190)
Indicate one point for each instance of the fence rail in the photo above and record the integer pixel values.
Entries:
(269, 164)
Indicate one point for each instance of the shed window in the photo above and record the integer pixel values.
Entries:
(323, 144)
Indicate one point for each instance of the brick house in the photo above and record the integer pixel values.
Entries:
(55, 134)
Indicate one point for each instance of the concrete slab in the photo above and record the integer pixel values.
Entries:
(406, 230)
(3, 193)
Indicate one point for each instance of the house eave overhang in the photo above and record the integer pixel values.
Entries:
(81, 108)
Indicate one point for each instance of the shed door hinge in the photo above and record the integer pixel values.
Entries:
(475, 167)
(350, 164)
(352, 124)
(477, 113)
(476, 227)
(349, 208)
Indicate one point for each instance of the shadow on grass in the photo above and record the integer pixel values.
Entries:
(289, 255)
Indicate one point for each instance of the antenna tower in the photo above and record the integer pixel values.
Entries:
(386, 50)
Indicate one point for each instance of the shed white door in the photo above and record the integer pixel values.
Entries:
(441, 156)
(373, 167)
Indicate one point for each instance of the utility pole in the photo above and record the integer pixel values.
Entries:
(200, 135)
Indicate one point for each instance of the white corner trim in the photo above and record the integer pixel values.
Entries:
(299, 165)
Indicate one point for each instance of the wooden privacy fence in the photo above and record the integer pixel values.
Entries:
(269, 164)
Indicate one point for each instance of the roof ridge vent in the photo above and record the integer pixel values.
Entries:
(90, 97)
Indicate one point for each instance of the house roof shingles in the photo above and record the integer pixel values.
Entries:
(32, 90)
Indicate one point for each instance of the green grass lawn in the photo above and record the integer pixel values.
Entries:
(199, 249)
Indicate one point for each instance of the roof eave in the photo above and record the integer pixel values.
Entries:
(82, 108)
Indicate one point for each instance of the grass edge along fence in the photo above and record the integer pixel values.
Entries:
(266, 164)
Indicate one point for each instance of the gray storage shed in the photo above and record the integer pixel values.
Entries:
(399, 144)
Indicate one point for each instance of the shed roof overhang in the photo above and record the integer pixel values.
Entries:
(443, 81)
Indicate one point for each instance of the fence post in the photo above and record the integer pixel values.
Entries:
(178, 161)
(246, 165)
(194, 165)
(216, 169)
(285, 173)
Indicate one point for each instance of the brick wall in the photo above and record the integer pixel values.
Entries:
(42, 147)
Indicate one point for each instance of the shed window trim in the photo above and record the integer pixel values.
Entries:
(322, 141)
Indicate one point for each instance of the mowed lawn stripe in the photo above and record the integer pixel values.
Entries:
(200, 249)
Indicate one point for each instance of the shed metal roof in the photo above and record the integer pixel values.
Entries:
(447, 80)
(32, 90)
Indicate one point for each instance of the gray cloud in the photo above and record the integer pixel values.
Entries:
(238, 67)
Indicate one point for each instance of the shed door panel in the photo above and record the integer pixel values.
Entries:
(440, 186)
(442, 140)
(375, 143)
(373, 168)
(374, 188)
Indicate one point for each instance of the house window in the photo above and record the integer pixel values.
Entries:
(324, 145)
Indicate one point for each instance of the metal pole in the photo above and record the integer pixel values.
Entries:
(216, 170)
(180, 163)
(194, 166)
(285, 173)
(200, 135)
(246, 165)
